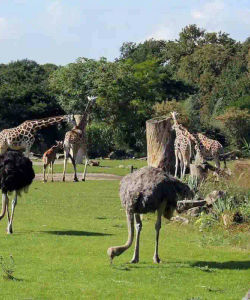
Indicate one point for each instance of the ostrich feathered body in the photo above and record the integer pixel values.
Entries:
(144, 190)
(16, 172)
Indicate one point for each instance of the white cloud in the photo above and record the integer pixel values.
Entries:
(209, 10)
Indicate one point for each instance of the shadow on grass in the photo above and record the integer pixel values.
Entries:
(207, 266)
(75, 233)
(231, 265)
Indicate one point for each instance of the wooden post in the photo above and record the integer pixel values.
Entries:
(160, 144)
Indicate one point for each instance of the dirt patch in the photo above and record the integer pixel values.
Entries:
(89, 176)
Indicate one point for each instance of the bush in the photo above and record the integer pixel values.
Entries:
(100, 139)
(236, 124)
(164, 109)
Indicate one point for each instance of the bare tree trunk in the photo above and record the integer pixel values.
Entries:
(160, 144)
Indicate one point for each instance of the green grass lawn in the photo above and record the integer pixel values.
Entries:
(116, 167)
(61, 235)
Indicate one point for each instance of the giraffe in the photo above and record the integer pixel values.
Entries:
(76, 139)
(183, 145)
(22, 137)
(210, 148)
(49, 158)
(183, 152)
(204, 146)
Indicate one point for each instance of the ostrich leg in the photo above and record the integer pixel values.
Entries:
(156, 258)
(138, 227)
(14, 203)
(5, 200)
(117, 250)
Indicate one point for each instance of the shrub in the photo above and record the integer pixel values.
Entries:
(100, 139)
(164, 108)
(236, 124)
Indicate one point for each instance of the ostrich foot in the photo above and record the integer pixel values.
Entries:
(83, 179)
(63, 179)
(9, 230)
(76, 179)
(156, 259)
(134, 260)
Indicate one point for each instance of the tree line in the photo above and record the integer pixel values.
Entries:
(203, 75)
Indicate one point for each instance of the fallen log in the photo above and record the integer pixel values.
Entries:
(187, 204)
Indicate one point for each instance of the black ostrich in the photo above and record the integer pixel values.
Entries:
(16, 174)
(147, 190)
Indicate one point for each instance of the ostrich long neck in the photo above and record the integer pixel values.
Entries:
(35, 125)
(120, 249)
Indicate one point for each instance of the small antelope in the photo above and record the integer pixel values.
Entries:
(49, 158)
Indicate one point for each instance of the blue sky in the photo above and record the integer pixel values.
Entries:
(59, 31)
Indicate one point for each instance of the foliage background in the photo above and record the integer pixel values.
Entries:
(203, 75)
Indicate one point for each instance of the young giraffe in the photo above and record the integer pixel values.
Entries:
(76, 139)
(22, 137)
(49, 158)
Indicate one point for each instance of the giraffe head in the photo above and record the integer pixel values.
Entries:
(91, 98)
(59, 144)
(174, 115)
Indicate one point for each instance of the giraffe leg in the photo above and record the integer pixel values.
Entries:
(138, 227)
(176, 163)
(85, 168)
(160, 211)
(52, 165)
(74, 165)
(44, 170)
(49, 167)
(217, 162)
(184, 168)
(66, 156)
(14, 203)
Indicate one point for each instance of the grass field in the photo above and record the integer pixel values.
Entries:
(116, 167)
(62, 232)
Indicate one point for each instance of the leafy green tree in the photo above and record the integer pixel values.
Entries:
(73, 83)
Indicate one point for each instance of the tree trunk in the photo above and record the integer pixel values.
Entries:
(160, 144)
(80, 153)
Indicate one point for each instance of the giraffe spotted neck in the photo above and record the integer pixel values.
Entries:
(22, 136)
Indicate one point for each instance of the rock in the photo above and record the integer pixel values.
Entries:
(180, 219)
(194, 211)
(121, 166)
(94, 163)
(214, 196)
